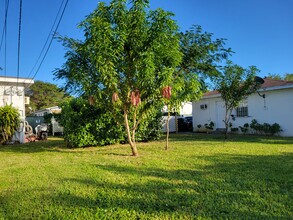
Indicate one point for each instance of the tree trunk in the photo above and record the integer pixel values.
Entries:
(227, 120)
(131, 138)
(167, 130)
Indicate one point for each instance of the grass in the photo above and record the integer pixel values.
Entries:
(200, 177)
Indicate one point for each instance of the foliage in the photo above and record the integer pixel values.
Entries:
(274, 76)
(201, 57)
(287, 76)
(129, 52)
(150, 128)
(235, 83)
(99, 127)
(9, 122)
(43, 95)
(265, 128)
(48, 117)
(244, 129)
(202, 54)
(249, 177)
(210, 125)
(235, 129)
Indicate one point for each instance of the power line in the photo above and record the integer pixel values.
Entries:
(5, 23)
(18, 49)
(49, 35)
(5, 47)
(52, 38)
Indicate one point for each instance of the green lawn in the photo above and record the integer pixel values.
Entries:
(200, 177)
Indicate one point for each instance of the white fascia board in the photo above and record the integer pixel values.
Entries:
(15, 80)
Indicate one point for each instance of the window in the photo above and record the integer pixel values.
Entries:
(242, 109)
(203, 106)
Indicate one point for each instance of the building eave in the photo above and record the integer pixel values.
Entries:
(8, 80)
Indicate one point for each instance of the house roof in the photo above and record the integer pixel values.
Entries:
(16, 80)
(270, 84)
(274, 82)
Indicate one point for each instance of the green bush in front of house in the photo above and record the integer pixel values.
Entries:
(265, 128)
(87, 125)
(9, 122)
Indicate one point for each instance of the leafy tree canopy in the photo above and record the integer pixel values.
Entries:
(235, 83)
(287, 76)
(129, 54)
(44, 95)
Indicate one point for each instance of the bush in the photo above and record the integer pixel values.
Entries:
(210, 125)
(275, 129)
(9, 122)
(150, 128)
(265, 128)
(86, 125)
(234, 129)
(245, 128)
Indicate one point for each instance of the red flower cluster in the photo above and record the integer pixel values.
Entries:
(166, 92)
(115, 97)
(135, 98)
(92, 100)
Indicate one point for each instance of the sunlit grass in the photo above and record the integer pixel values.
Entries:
(200, 176)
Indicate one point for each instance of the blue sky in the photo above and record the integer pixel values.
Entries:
(260, 32)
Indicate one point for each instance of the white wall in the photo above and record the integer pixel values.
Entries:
(205, 116)
(13, 95)
(12, 92)
(277, 107)
(172, 124)
(186, 109)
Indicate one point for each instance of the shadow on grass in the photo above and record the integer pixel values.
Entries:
(34, 147)
(232, 138)
(58, 144)
(235, 187)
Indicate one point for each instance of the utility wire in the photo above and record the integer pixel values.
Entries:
(5, 37)
(52, 38)
(5, 23)
(19, 31)
(49, 35)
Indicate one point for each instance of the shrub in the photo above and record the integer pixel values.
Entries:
(275, 129)
(87, 125)
(9, 122)
(245, 128)
(234, 129)
(150, 128)
(265, 128)
(210, 125)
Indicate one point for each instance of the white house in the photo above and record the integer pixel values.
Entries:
(50, 110)
(12, 92)
(273, 103)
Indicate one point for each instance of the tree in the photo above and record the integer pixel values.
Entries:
(201, 57)
(129, 54)
(288, 77)
(9, 122)
(44, 95)
(234, 84)
(274, 76)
